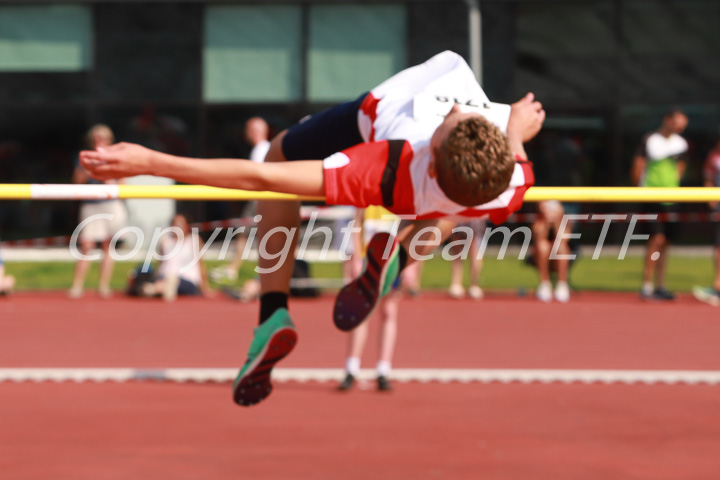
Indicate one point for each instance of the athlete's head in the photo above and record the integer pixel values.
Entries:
(473, 162)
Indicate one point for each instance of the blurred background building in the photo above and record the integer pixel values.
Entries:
(183, 76)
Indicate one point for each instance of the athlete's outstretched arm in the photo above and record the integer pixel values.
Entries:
(127, 160)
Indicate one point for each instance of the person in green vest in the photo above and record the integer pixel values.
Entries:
(660, 162)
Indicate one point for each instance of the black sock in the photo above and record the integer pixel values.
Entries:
(402, 258)
(270, 302)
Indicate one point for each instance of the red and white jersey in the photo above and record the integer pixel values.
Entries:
(397, 120)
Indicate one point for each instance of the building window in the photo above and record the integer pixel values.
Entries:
(670, 52)
(352, 48)
(564, 52)
(253, 54)
(671, 28)
(148, 51)
(45, 38)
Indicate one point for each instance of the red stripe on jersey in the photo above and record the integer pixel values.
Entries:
(404, 194)
(369, 108)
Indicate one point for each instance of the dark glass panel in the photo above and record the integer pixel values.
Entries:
(148, 51)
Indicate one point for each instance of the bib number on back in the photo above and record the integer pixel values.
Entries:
(429, 107)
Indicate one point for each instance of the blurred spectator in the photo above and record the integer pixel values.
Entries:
(7, 282)
(711, 174)
(257, 134)
(476, 230)
(558, 156)
(388, 307)
(99, 229)
(545, 231)
(660, 161)
(180, 273)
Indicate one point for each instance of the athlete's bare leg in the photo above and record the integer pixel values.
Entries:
(277, 214)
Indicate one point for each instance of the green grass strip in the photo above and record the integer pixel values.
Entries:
(586, 274)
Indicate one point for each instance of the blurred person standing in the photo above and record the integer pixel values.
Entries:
(98, 230)
(559, 158)
(475, 229)
(711, 175)
(660, 161)
(257, 134)
(545, 234)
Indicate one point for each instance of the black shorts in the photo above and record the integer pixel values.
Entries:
(186, 287)
(318, 136)
(662, 225)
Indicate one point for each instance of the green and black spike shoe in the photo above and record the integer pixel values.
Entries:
(273, 341)
(357, 300)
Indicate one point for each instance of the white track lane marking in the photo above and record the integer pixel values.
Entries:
(334, 374)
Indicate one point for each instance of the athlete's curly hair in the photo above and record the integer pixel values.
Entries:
(475, 163)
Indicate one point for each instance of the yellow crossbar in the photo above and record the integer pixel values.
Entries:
(198, 192)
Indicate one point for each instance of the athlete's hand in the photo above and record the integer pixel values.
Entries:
(526, 119)
(117, 161)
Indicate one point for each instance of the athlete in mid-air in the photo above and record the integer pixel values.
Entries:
(426, 143)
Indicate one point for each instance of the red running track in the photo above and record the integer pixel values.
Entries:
(594, 331)
(308, 431)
